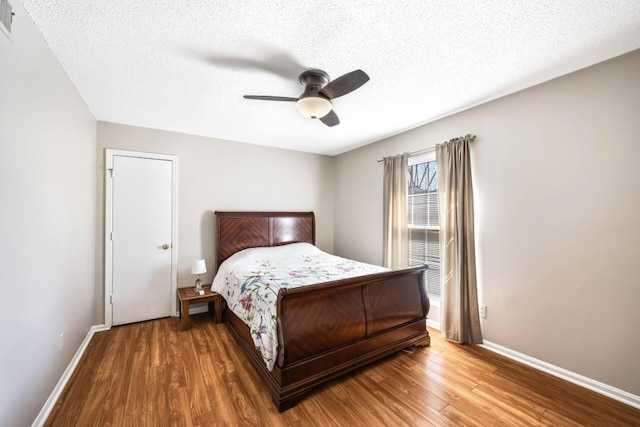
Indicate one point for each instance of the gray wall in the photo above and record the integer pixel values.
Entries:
(557, 192)
(215, 175)
(47, 188)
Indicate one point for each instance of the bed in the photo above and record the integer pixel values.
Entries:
(327, 329)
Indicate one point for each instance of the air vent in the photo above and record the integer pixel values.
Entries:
(6, 16)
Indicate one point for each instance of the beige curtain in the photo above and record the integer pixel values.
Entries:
(460, 320)
(396, 246)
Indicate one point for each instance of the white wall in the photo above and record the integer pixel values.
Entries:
(557, 192)
(47, 192)
(220, 175)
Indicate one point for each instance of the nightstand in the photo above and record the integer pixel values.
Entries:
(188, 296)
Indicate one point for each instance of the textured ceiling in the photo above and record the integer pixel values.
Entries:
(184, 66)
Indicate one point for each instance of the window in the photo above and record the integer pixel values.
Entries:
(424, 219)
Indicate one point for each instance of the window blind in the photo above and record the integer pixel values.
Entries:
(424, 223)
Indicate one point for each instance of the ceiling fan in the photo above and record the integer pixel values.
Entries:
(319, 90)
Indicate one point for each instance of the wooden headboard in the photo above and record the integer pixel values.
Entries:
(241, 230)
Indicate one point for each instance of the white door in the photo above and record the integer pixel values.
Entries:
(141, 246)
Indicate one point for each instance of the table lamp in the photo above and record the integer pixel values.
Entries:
(198, 267)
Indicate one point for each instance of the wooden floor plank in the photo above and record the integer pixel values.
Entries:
(410, 390)
(158, 396)
(552, 417)
(514, 394)
(385, 397)
(518, 415)
(459, 418)
(151, 374)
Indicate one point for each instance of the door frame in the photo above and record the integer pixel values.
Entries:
(108, 226)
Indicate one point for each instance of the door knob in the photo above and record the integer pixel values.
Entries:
(165, 246)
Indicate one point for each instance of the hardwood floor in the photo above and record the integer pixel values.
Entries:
(152, 374)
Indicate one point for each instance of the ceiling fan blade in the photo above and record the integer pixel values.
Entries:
(345, 84)
(271, 98)
(330, 119)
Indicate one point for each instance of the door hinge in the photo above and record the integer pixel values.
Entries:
(111, 172)
(111, 299)
(111, 236)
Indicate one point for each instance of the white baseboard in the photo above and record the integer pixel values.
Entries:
(433, 324)
(198, 308)
(66, 375)
(588, 383)
(591, 384)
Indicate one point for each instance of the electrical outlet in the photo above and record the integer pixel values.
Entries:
(483, 311)
(61, 341)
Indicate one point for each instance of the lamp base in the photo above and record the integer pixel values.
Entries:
(198, 287)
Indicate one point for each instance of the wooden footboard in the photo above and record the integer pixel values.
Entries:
(329, 329)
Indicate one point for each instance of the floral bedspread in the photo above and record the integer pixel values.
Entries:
(250, 280)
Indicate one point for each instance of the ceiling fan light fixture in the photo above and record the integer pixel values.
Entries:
(314, 107)
(319, 90)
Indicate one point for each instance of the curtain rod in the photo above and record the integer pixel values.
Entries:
(428, 150)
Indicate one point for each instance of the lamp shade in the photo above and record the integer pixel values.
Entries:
(314, 107)
(198, 267)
